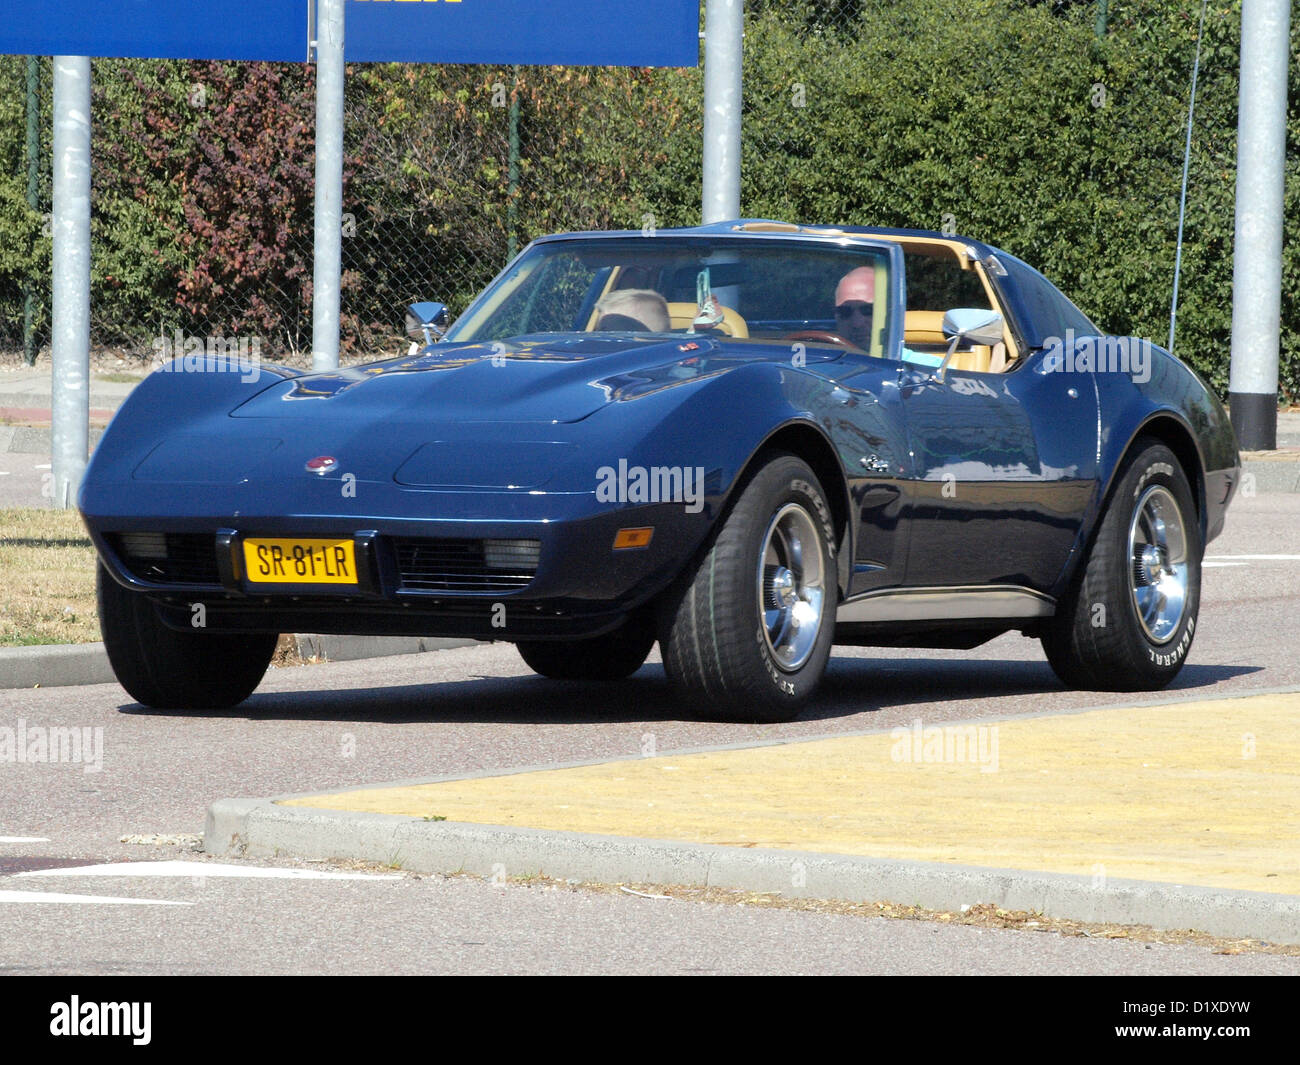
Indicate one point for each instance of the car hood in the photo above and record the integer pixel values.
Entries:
(523, 380)
(521, 416)
(526, 379)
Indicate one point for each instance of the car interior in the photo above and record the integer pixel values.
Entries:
(940, 276)
(752, 299)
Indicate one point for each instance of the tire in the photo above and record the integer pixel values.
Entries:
(747, 630)
(613, 656)
(1128, 620)
(166, 669)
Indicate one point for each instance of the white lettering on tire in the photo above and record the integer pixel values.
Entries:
(1170, 658)
(1151, 471)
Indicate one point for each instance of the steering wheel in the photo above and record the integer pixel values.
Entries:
(823, 336)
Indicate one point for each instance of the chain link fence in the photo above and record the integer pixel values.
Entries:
(202, 215)
(25, 136)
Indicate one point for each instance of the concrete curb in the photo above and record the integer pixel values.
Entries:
(36, 439)
(1273, 475)
(54, 666)
(260, 828)
(72, 664)
(351, 648)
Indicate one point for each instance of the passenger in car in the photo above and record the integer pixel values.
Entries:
(634, 310)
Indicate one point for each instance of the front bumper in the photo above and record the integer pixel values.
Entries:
(582, 585)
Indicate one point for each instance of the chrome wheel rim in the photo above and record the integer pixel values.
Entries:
(791, 586)
(1158, 563)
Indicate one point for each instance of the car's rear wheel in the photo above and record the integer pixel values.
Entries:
(613, 656)
(1130, 616)
(167, 669)
(746, 632)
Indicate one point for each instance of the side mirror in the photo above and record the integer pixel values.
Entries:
(971, 324)
(425, 320)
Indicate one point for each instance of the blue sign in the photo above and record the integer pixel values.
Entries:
(157, 29)
(640, 33)
(560, 32)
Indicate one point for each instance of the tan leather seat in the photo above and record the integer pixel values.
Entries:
(683, 314)
(923, 327)
(923, 331)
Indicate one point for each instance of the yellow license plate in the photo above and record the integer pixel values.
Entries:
(281, 561)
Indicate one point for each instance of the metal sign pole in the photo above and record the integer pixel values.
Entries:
(724, 31)
(328, 269)
(1257, 243)
(70, 406)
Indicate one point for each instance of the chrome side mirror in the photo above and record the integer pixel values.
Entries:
(425, 320)
(971, 324)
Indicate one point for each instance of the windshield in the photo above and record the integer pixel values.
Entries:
(725, 288)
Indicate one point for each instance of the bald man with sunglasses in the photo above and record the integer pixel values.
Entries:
(855, 300)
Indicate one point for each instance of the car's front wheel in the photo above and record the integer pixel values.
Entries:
(613, 656)
(1129, 618)
(167, 669)
(746, 632)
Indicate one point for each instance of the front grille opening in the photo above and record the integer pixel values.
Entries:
(168, 558)
(466, 565)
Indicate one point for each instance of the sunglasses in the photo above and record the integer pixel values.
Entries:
(846, 310)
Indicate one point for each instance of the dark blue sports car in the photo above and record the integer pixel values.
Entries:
(748, 441)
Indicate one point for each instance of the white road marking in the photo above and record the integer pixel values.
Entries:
(203, 869)
(42, 466)
(23, 839)
(89, 900)
(1257, 558)
(1216, 565)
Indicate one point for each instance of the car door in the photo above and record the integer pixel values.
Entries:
(864, 418)
(1001, 468)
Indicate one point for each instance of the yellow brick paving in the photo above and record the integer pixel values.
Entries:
(1204, 793)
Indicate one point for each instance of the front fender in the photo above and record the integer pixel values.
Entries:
(703, 431)
(182, 395)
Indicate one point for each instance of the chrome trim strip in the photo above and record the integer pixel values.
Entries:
(941, 604)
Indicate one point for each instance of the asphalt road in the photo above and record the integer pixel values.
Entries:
(321, 727)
